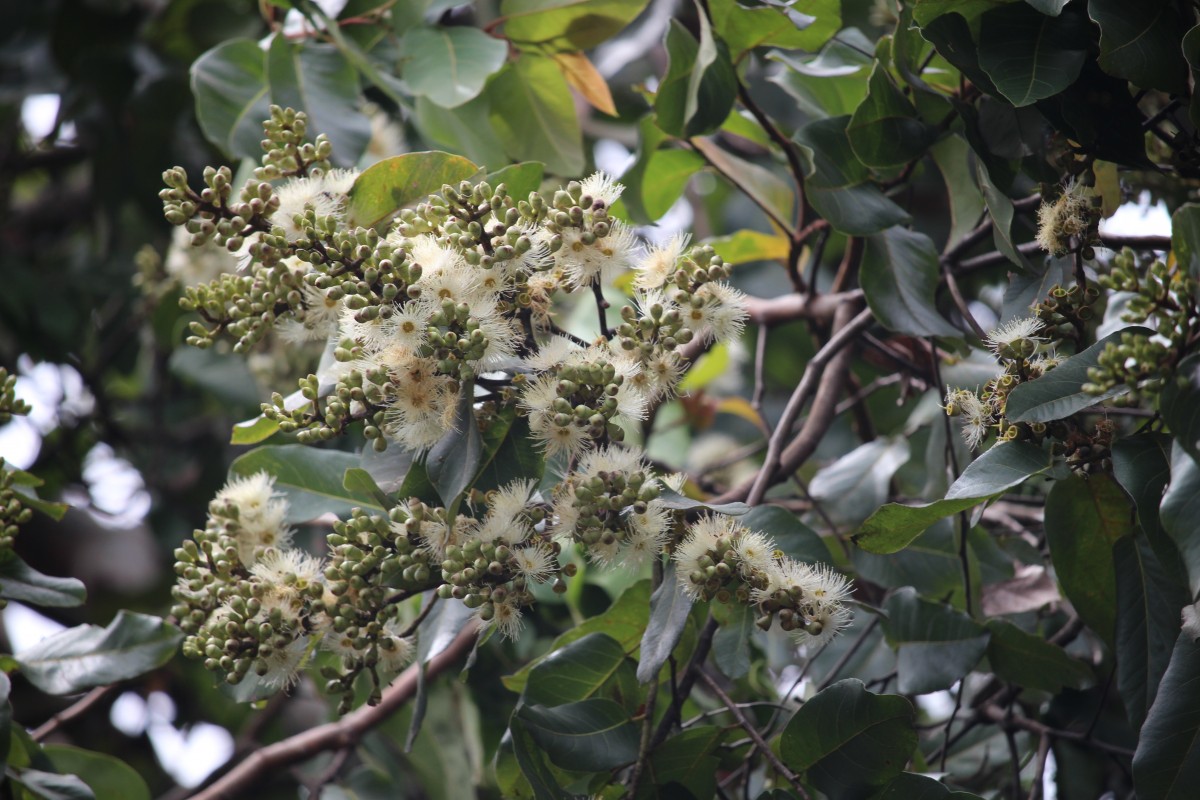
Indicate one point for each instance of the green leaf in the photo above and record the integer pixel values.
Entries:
(21, 582)
(953, 158)
(767, 188)
(318, 80)
(885, 130)
(936, 645)
(1179, 404)
(746, 246)
(358, 481)
(1148, 623)
(50, 786)
(670, 606)
(1084, 518)
(1000, 208)
(851, 742)
(684, 759)
(6, 719)
(677, 502)
(899, 276)
(312, 480)
(805, 25)
(439, 630)
(665, 178)
(698, 91)
(1142, 43)
(85, 656)
(1059, 393)
(253, 431)
(566, 25)
(927, 11)
(1029, 55)
(393, 183)
(1180, 512)
(857, 483)
(109, 778)
(1166, 765)
(533, 115)
(791, 535)
(1031, 661)
(894, 526)
(624, 621)
(1142, 465)
(453, 462)
(592, 735)
(832, 84)
(950, 33)
(229, 83)
(731, 642)
(450, 65)
(1185, 237)
(1051, 7)
(1004, 466)
(464, 130)
(533, 763)
(1191, 52)
(838, 186)
(575, 672)
(519, 179)
(911, 786)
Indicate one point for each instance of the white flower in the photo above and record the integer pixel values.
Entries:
(506, 617)
(422, 410)
(338, 182)
(535, 562)
(294, 568)
(1067, 216)
(283, 664)
(648, 534)
(977, 416)
(610, 459)
(658, 265)
(824, 624)
(604, 259)
(262, 515)
(825, 585)
(505, 521)
(716, 311)
(695, 552)
(755, 550)
(602, 187)
(1014, 331)
(554, 352)
(300, 195)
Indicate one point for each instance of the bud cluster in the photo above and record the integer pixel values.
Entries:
(10, 404)
(1072, 221)
(13, 513)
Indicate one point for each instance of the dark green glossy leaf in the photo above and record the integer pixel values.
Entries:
(1166, 765)
(950, 32)
(590, 736)
(1180, 512)
(21, 582)
(1180, 404)
(800, 26)
(1051, 7)
(575, 672)
(1148, 623)
(533, 115)
(229, 83)
(893, 526)
(1142, 43)
(1000, 207)
(731, 643)
(453, 462)
(936, 645)
(318, 80)
(911, 786)
(1032, 662)
(465, 129)
(849, 741)
(1185, 237)
(510, 454)
(566, 25)
(51, 786)
(519, 179)
(838, 186)
(439, 630)
(312, 480)
(624, 621)
(533, 763)
(670, 606)
(450, 65)
(856, 484)
(359, 482)
(1191, 52)
(6, 719)
(1084, 518)
(831, 84)
(109, 778)
(1002, 467)
(791, 535)
(953, 158)
(686, 760)
(1142, 465)
(85, 656)
(899, 276)
(699, 88)
(1059, 393)
(1030, 56)
(390, 185)
(885, 130)
(926, 11)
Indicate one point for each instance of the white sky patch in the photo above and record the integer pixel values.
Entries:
(188, 755)
(115, 487)
(26, 627)
(1139, 219)
(56, 395)
(39, 112)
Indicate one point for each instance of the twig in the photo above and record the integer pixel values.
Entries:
(601, 308)
(681, 692)
(345, 733)
(1035, 791)
(760, 357)
(73, 711)
(753, 733)
(961, 304)
(845, 333)
(849, 654)
(1010, 721)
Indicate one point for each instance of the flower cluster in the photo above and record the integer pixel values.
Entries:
(443, 321)
(720, 559)
(1073, 216)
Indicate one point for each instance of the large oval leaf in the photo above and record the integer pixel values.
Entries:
(936, 645)
(899, 276)
(591, 736)
(229, 83)
(385, 188)
(1166, 765)
(533, 115)
(1030, 56)
(575, 672)
(312, 480)
(450, 65)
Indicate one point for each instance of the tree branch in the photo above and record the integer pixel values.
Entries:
(339, 735)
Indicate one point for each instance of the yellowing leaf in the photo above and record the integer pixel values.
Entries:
(584, 78)
(740, 407)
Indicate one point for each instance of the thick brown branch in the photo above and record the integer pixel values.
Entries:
(339, 735)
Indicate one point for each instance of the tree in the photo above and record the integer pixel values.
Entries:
(929, 534)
